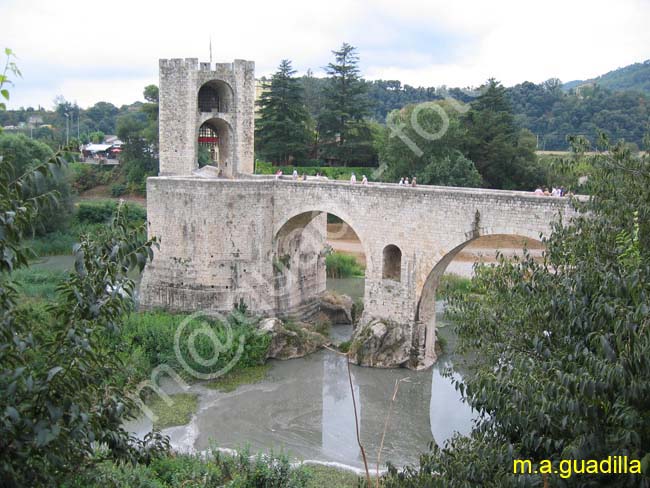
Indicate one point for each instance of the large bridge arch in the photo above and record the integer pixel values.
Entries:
(299, 240)
(425, 312)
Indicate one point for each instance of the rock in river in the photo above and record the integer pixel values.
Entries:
(291, 339)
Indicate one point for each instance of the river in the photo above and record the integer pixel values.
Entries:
(304, 406)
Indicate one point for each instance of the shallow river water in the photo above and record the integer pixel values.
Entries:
(304, 408)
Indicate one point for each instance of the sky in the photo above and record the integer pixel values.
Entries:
(89, 51)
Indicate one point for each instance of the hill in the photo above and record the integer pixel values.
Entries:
(633, 77)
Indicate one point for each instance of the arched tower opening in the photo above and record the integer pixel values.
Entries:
(215, 143)
(215, 96)
(392, 263)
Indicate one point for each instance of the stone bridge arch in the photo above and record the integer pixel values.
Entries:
(425, 312)
(299, 239)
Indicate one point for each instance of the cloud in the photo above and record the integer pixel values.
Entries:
(90, 51)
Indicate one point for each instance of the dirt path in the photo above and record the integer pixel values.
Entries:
(343, 239)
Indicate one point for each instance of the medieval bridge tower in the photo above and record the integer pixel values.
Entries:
(206, 111)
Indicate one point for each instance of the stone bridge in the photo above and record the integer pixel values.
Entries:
(231, 238)
(260, 242)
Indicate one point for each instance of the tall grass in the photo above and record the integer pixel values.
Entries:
(340, 265)
(88, 218)
(39, 284)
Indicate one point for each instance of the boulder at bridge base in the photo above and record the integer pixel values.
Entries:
(291, 339)
(383, 344)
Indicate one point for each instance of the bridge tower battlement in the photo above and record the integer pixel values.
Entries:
(206, 111)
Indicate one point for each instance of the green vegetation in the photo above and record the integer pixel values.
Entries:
(344, 134)
(88, 218)
(84, 176)
(235, 378)
(344, 346)
(634, 77)
(553, 114)
(139, 132)
(60, 374)
(357, 310)
(282, 132)
(152, 334)
(437, 161)
(504, 155)
(561, 347)
(194, 471)
(39, 284)
(339, 265)
(21, 154)
(451, 284)
(321, 476)
(179, 412)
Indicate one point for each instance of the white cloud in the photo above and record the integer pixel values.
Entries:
(90, 51)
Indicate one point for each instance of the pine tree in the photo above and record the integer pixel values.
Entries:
(282, 134)
(496, 145)
(344, 134)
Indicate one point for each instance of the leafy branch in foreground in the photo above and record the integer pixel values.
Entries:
(60, 396)
(561, 348)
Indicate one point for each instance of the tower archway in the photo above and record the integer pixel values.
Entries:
(215, 140)
(215, 96)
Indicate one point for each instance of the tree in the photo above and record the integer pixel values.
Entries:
(493, 143)
(423, 141)
(59, 396)
(281, 133)
(151, 93)
(344, 135)
(453, 169)
(21, 155)
(561, 348)
(139, 132)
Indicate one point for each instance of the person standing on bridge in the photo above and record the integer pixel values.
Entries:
(414, 182)
(295, 174)
(406, 181)
(401, 182)
(353, 179)
(364, 180)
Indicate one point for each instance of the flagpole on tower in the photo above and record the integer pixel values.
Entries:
(210, 49)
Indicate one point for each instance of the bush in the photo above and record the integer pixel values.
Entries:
(85, 176)
(452, 284)
(357, 310)
(342, 266)
(118, 189)
(153, 333)
(100, 211)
